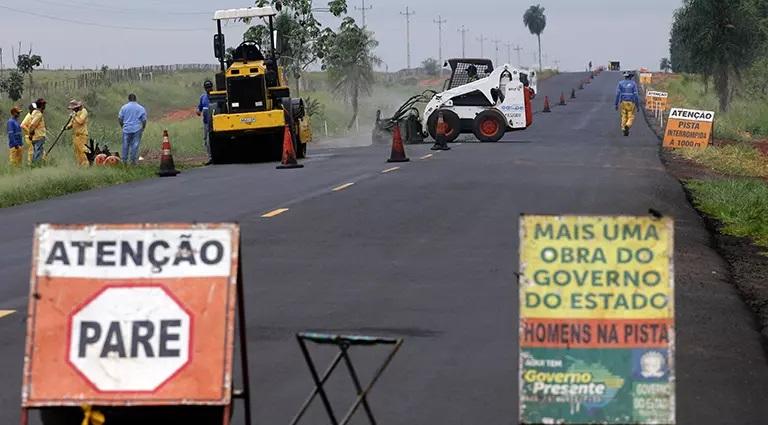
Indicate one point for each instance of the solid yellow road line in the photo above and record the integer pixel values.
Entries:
(389, 170)
(274, 213)
(342, 187)
(4, 313)
(427, 156)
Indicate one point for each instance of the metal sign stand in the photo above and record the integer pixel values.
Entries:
(343, 342)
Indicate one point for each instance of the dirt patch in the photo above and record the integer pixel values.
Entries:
(747, 263)
(179, 115)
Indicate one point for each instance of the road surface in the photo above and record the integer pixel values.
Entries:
(428, 252)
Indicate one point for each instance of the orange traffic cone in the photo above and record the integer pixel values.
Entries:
(441, 142)
(573, 93)
(546, 104)
(289, 153)
(398, 149)
(167, 167)
(562, 99)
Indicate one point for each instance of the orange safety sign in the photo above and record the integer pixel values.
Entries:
(656, 100)
(646, 78)
(131, 314)
(688, 128)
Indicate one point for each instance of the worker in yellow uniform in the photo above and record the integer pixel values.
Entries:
(78, 123)
(628, 98)
(37, 131)
(24, 126)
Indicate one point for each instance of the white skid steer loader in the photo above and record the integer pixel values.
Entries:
(476, 99)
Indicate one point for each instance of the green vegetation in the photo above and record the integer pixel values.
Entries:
(46, 182)
(741, 205)
(747, 117)
(733, 160)
(719, 39)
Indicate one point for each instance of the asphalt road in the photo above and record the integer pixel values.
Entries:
(427, 252)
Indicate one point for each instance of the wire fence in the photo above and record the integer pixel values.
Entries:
(105, 77)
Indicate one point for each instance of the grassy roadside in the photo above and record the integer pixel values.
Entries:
(737, 195)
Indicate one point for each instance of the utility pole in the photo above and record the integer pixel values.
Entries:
(408, 13)
(517, 50)
(557, 64)
(546, 60)
(463, 32)
(362, 9)
(482, 39)
(496, 47)
(440, 21)
(509, 52)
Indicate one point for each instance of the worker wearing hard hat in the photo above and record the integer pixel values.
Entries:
(15, 141)
(24, 126)
(203, 109)
(36, 130)
(628, 98)
(78, 123)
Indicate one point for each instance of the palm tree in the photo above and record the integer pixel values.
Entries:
(350, 62)
(536, 21)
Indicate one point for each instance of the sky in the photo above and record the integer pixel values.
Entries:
(92, 33)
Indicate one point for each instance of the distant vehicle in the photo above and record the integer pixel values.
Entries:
(614, 66)
(250, 97)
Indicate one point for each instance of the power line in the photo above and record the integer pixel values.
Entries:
(463, 32)
(408, 13)
(94, 24)
(100, 7)
(363, 8)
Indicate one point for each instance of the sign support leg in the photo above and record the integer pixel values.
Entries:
(24, 416)
(246, 395)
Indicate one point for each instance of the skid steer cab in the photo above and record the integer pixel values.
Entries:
(251, 103)
(482, 100)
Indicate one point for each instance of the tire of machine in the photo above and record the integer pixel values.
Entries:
(451, 120)
(219, 149)
(489, 126)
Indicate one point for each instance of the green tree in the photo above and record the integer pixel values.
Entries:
(302, 38)
(13, 85)
(431, 66)
(718, 39)
(665, 65)
(350, 63)
(536, 21)
(26, 64)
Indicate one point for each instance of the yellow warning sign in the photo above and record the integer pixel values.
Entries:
(688, 128)
(646, 78)
(656, 100)
(596, 267)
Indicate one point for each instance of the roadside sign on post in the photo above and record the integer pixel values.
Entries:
(656, 100)
(688, 128)
(132, 315)
(646, 78)
(596, 320)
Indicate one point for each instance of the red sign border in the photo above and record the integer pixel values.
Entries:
(229, 335)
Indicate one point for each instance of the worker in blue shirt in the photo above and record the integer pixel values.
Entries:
(204, 111)
(629, 100)
(15, 140)
(133, 121)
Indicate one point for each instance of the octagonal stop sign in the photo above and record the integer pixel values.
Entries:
(130, 338)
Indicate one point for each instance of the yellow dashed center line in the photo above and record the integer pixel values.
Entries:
(274, 213)
(342, 187)
(389, 170)
(427, 156)
(4, 313)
